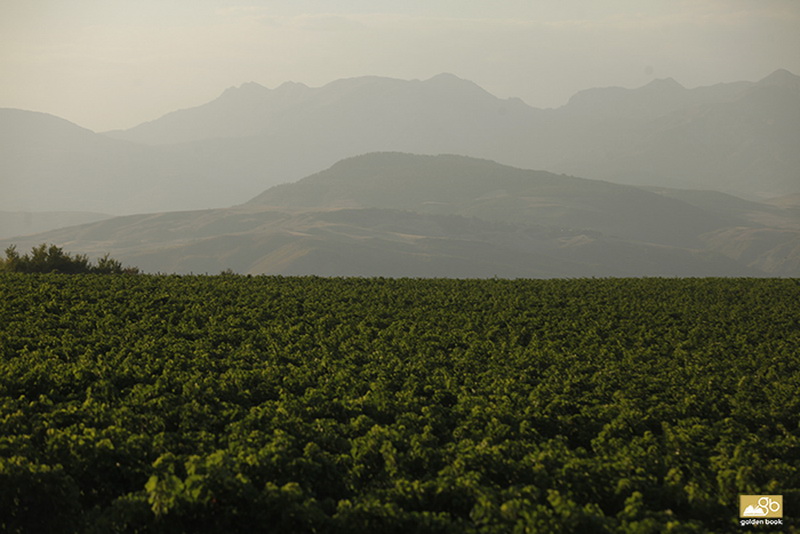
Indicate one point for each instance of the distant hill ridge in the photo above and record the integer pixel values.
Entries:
(738, 138)
(660, 134)
(252, 109)
(399, 214)
(253, 102)
(450, 184)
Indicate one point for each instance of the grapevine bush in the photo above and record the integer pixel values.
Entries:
(270, 404)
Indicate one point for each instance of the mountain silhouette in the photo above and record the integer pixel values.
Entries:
(737, 138)
(398, 214)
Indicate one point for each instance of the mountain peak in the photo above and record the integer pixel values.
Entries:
(445, 76)
(781, 78)
(657, 97)
(664, 84)
(446, 79)
(248, 88)
(288, 86)
(450, 83)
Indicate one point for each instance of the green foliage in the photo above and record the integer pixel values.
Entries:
(53, 259)
(36, 497)
(107, 265)
(262, 404)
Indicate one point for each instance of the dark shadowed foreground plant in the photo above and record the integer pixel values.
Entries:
(52, 259)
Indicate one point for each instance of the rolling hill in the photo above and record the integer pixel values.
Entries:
(394, 214)
(481, 188)
(18, 223)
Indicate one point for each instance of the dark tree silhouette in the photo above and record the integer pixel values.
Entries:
(52, 259)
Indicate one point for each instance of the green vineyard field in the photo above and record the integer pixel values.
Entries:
(269, 404)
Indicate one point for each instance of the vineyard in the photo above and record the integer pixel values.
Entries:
(135, 403)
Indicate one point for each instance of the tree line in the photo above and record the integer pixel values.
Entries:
(52, 259)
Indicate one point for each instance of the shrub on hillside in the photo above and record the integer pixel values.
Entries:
(52, 259)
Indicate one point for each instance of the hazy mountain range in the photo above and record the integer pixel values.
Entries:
(393, 214)
(739, 138)
(378, 209)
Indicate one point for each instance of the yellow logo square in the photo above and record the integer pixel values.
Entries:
(758, 506)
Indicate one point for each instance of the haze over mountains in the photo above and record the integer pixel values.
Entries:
(738, 138)
(392, 213)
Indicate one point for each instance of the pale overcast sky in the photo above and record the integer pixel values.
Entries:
(108, 64)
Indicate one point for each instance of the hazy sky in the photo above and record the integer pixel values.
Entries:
(108, 64)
